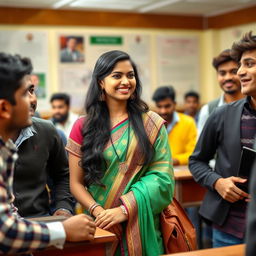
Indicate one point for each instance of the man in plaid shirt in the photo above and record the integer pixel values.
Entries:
(16, 234)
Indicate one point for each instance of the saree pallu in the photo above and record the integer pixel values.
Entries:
(145, 190)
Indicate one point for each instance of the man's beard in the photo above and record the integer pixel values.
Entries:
(60, 118)
(167, 117)
(231, 92)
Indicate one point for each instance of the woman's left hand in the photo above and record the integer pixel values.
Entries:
(110, 217)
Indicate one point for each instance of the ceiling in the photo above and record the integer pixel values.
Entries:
(179, 7)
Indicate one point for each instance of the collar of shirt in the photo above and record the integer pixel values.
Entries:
(248, 106)
(175, 119)
(24, 135)
(221, 101)
(8, 145)
(69, 122)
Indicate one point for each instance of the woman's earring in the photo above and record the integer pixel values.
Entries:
(132, 97)
(102, 95)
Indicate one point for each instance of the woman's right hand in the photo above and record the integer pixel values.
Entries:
(97, 211)
(116, 229)
(110, 217)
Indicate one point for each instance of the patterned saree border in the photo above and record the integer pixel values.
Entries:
(116, 136)
(152, 123)
(73, 148)
(118, 185)
(133, 230)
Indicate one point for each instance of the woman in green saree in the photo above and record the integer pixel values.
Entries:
(119, 157)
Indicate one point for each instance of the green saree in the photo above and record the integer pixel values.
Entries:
(144, 190)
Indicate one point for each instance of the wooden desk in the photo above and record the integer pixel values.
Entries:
(99, 246)
(235, 250)
(187, 191)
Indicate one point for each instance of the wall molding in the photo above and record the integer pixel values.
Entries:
(27, 16)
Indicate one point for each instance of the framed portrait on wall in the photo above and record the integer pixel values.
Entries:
(71, 49)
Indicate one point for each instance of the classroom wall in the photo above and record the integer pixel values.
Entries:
(213, 36)
(231, 34)
(53, 50)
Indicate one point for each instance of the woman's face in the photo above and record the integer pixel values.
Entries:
(120, 84)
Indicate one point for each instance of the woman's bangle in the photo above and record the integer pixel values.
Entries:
(92, 207)
(124, 211)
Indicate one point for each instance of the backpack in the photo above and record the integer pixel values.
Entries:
(179, 234)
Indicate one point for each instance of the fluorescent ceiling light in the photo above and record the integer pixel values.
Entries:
(105, 4)
(218, 1)
(116, 7)
(61, 3)
(158, 5)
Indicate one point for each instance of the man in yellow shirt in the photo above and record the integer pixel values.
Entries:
(181, 128)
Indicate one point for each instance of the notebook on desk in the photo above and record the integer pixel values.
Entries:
(248, 156)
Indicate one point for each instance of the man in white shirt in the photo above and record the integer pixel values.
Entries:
(18, 235)
(229, 82)
(62, 117)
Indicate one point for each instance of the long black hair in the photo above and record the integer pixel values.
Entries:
(96, 129)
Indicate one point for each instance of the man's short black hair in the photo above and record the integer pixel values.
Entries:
(223, 57)
(61, 96)
(12, 70)
(192, 94)
(163, 93)
(247, 43)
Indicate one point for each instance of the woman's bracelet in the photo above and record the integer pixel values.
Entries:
(92, 207)
(124, 211)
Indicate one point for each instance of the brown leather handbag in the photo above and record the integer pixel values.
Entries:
(179, 234)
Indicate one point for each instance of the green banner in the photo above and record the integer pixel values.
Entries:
(110, 40)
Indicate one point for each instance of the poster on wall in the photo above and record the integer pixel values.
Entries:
(75, 81)
(71, 49)
(39, 81)
(138, 47)
(34, 45)
(178, 63)
(99, 44)
(73, 73)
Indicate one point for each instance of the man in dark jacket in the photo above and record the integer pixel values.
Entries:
(226, 131)
(41, 155)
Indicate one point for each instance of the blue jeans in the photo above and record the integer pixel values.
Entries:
(220, 239)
